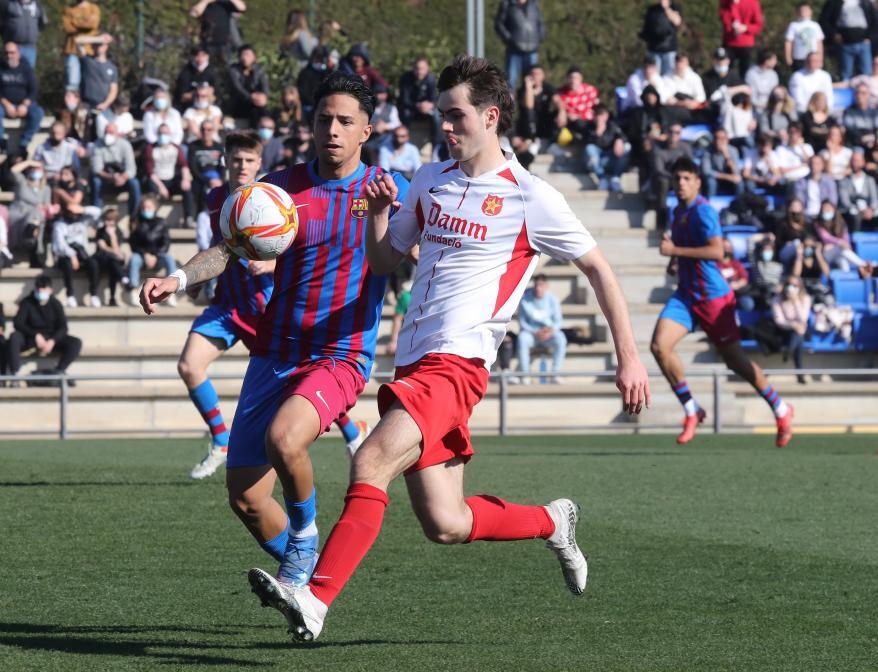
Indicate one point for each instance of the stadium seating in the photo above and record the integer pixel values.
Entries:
(866, 245)
(866, 333)
(842, 98)
(851, 290)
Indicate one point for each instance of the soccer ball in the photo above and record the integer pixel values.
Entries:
(258, 221)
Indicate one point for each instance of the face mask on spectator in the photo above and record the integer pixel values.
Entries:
(827, 215)
(36, 175)
(266, 133)
(201, 104)
(792, 289)
(809, 251)
(767, 255)
(161, 104)
(164, 138)
(201, 67)
(42, 295)
(109, 139)
(71, 105)
(721, 70)
(796, 217)
(147, 214)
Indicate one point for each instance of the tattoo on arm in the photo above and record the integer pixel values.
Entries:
(207, 264)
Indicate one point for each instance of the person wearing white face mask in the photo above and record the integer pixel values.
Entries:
(41, 324)
(202, 109)
(721, 83)
(150, 245)
(197, 71)
(167, 172)
(791, 310)
(113, 169)
(837, 251)
(160, 113)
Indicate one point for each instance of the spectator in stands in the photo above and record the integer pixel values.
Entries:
(816, 188)
(298, 41)
(742, 22)
(272, 145)
(109, 254)
(167, 173)
(780, 111)
(647, 75)
(309, 78)
(719, 167)
(861, 119)
(519, 25)
(4, 346)
(836, 239)
(400, 155)
(205, 159)
(848, 24)
(100, 76)
(385, 120)
(417, 98)
(766, 271)
(300, 147)
(685, 91)
(721, 83)
(858, 195)
(197, 72)
(606, 151)
(289, 114)
(58, 151)
(30, 209)
(791, 310)
(6, 256)
(81, 19)
(120, 115)
(357, 62)
(18, 98)
(736, 275)
(811, 79)
(113, 169)
(578, 100)
(803, 36)
(161, 113)
(150, 245)
(70, 251)
(660, 25)
(539, 108)
(792, 232)
(68, 193)
(816, 121)
(763, 169)
(21, 22)
(216, 18)
(739, 121)
(203, 109)
(836, 155)
(871, 81)
(812, 268)
(248, 87)
(539, 318)
(762, 78)
(662, 157)
(76, 117)
(41, 324)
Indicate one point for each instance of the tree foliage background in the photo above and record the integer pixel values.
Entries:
(600, 36)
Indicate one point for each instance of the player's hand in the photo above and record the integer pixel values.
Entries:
(381, 194)
(667, 247)
(256, 268)
(155, 291)
(633, 382)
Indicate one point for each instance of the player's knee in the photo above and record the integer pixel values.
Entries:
(446, 532)
(245, 505)
(657, 350)
(186, 370)
(285, 441)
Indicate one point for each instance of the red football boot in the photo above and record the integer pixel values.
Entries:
(690, 424)
(784, 428)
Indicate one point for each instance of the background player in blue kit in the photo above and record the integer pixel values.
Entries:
(703, 298)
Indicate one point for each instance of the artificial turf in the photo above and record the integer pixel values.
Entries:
(727, 554)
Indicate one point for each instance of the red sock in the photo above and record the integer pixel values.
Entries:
(496, 520)
(349, 541)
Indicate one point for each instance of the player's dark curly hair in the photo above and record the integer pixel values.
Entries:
(350, 85)
(487, 86)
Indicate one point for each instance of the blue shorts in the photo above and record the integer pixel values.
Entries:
(715, 316)
(332, 386)
(226, 325)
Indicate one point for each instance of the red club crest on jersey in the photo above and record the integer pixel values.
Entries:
(492, 205)
(359, 208)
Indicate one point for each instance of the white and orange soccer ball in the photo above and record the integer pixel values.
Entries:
(259, 221)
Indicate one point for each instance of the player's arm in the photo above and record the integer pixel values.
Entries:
(381, 193)
(631, 377)
(713, 251)
(204, 266)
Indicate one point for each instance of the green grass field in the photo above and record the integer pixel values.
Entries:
(727, 555)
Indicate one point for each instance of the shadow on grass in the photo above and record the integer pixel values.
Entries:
(91, 484)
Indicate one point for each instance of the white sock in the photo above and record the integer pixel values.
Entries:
(781, 409)
(309, 531)
(691, 407)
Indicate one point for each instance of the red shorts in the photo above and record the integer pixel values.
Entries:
(439, 391)
(246, 327)
(331, 385)
(716, 317)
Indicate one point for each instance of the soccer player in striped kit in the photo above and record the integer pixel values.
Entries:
(482, 221)
(315, 344)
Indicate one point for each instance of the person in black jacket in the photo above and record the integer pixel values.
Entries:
(18, 96)
(248, 87)
(22, 22)
(848, 35)
(660, 25)
(310, 77)
(606, 150)
(417, 97)
(150, 245)
(198, 70)
(40, 323)
(519, 24)
(4, 346)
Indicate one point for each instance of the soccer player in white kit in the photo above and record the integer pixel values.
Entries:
(481, 221)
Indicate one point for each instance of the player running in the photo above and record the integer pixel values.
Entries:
(242, 292)
(703, 297)
(482, 222)
(315, 343)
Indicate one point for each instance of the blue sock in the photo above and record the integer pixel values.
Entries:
(302, 515)
(348, 428)
(206, 401)
(276, 547)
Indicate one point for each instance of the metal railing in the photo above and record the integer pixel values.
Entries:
(718, 377)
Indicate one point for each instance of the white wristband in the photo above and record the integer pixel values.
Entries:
(181, 278)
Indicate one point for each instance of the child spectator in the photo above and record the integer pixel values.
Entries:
(167, 173)
(803, 36)
(858, 195)
(150, 245)
(69, 247)
(109, 254)
(791, 310)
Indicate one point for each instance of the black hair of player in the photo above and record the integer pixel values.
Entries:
(248, 140)
(684, 165)
(487, 86)
(349, 85)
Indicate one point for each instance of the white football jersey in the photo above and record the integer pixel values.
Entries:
(480, 240)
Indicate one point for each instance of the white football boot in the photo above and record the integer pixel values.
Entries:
(304, 612)
(574, 565)
(215, 458)
(354, 445)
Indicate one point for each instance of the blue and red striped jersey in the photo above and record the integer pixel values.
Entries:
(236, 289)
(326, 303)
(693, 226)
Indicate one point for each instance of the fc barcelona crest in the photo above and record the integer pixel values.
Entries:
(492, 205)
(359, 208)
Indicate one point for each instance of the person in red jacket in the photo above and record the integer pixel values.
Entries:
(742, 22)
